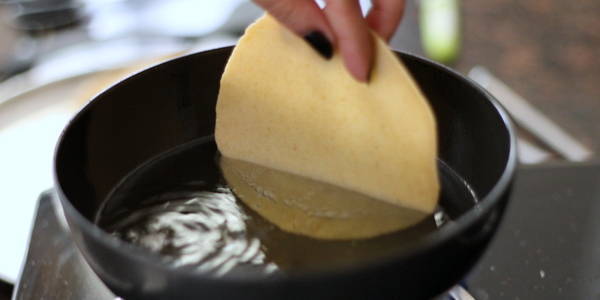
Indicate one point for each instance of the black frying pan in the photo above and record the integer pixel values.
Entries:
(174, 103)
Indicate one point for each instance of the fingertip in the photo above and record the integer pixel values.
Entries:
(353, 37)
(359, 60)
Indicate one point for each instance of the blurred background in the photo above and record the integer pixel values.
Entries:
(538, 57)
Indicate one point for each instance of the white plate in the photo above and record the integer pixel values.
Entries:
(30, 125)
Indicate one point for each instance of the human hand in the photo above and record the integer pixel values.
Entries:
(340, 24)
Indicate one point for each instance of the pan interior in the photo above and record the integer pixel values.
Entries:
(179, 206)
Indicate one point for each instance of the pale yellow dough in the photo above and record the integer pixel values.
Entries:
(313, 208)
(283, 106)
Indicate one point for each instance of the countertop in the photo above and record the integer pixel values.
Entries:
(545, 50)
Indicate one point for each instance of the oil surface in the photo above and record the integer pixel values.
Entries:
(179, 206)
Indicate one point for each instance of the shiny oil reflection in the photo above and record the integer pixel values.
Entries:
(181, 206)
(203, 229)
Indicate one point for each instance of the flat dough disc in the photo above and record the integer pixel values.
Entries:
(283, 106)
(313, 208)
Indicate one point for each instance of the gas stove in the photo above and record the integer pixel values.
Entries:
(548, 246)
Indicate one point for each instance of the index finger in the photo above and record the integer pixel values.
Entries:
(353, 36)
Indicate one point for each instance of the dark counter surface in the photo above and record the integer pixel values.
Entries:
(546, 50)
(548, 244)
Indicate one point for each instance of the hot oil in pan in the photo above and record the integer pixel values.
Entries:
(179, 206)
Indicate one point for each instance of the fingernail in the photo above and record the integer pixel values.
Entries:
(320, 43)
